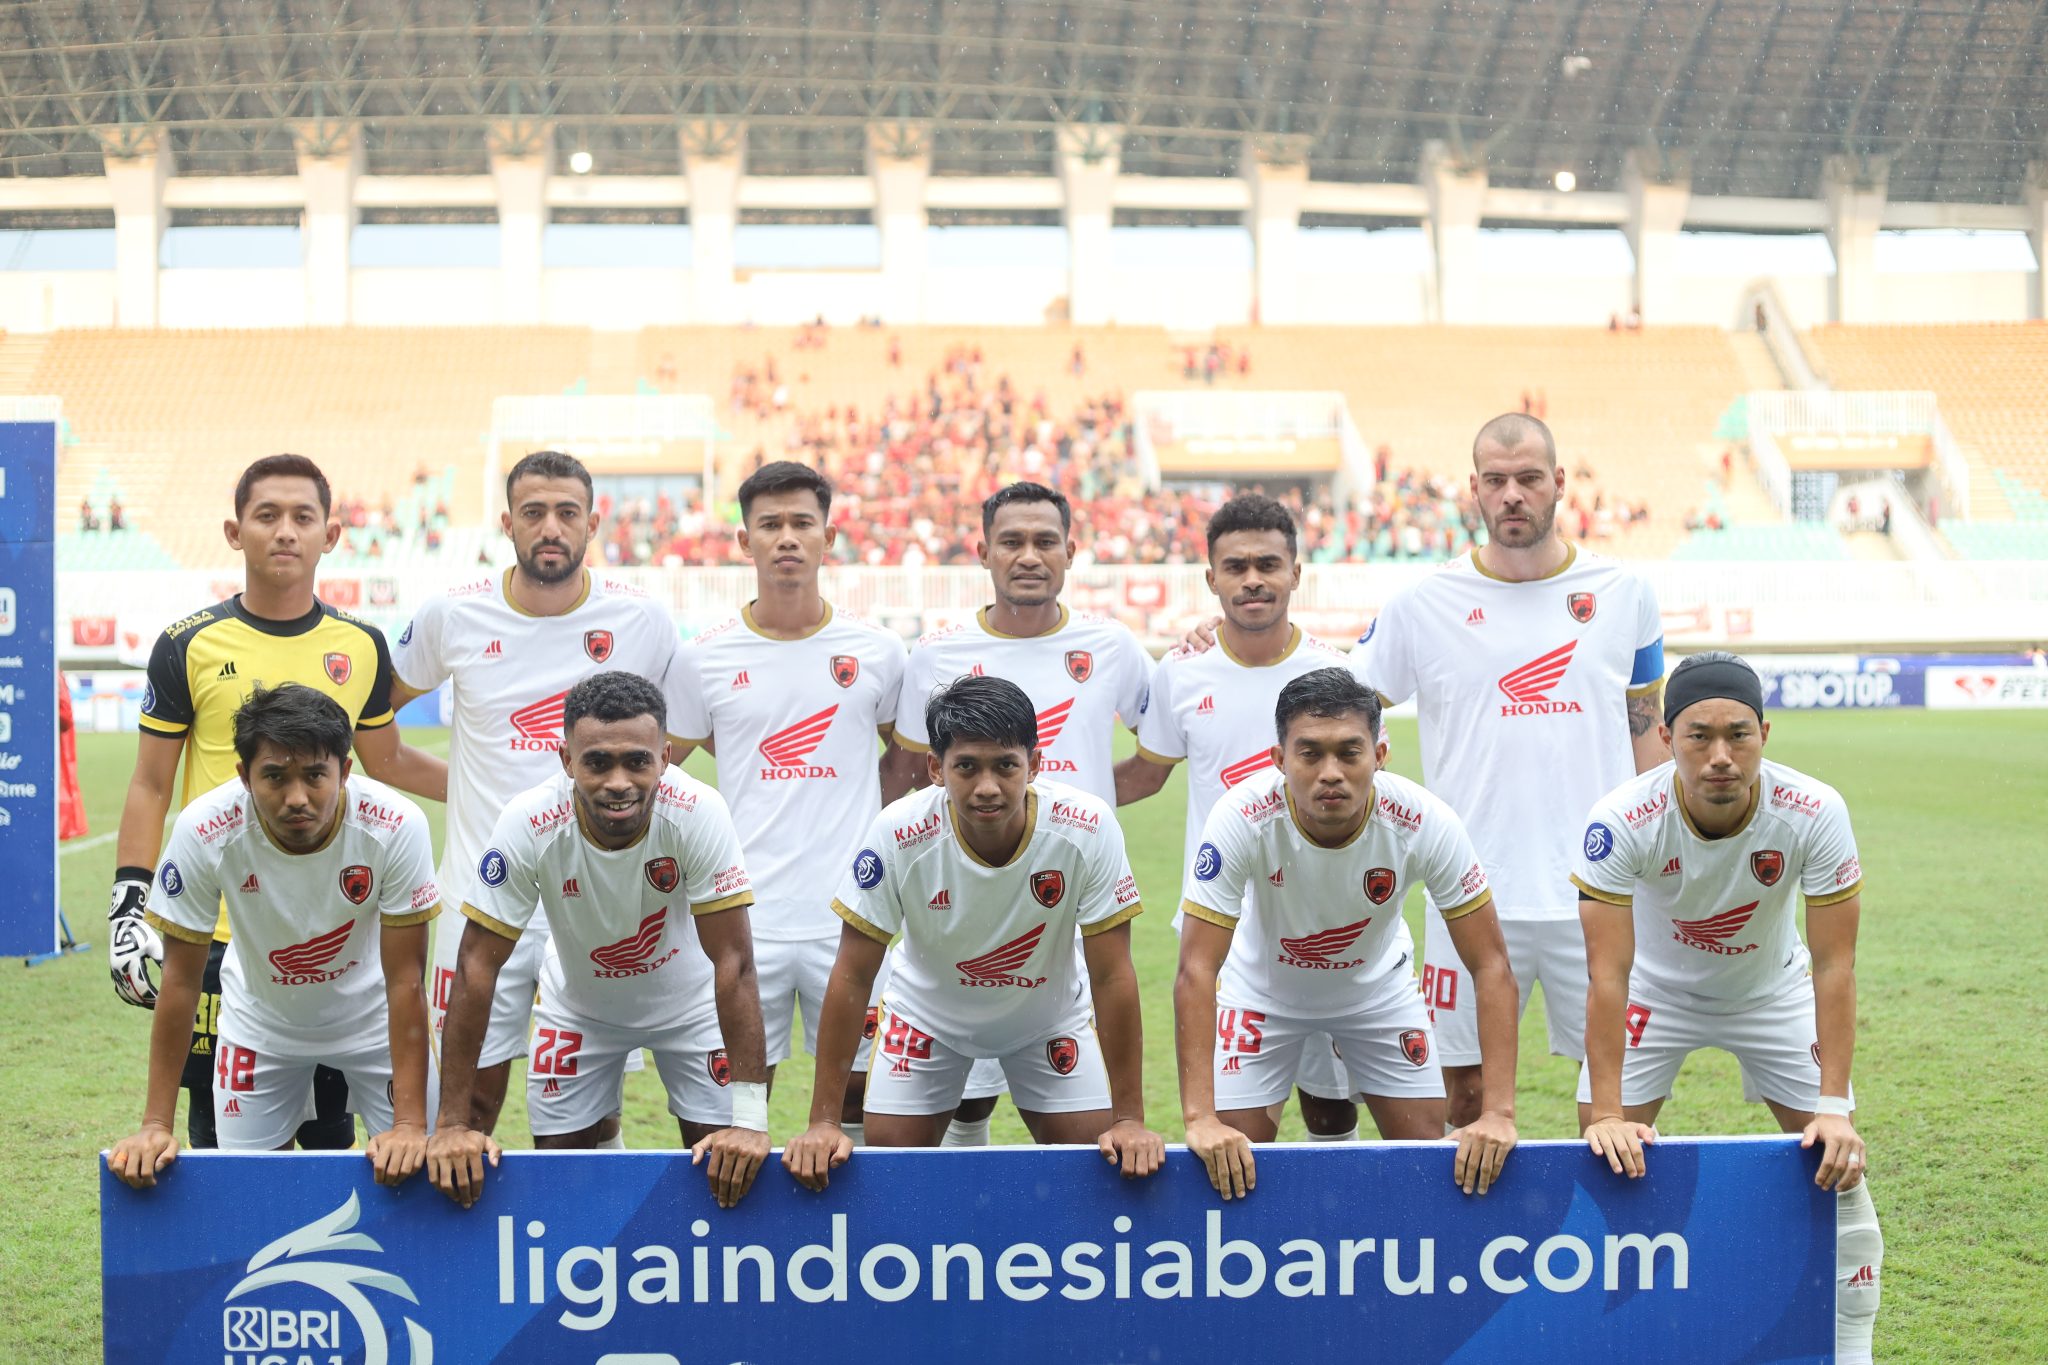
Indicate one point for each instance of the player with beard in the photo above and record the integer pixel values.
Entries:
(1083, 673)
(511, 644)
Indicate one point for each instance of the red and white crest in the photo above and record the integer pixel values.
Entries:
(598, 645)
(1048, 887)
(1581, 605)
(845, 668)
(339, 666)
(355, 883)
(720, 1067)
(1064, 1054)
(1080, 665)
(1768, 864)
(871, 1023)
(662, 874)
(1379, 884)
(1415, 1046)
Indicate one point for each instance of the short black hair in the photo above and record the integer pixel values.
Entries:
(1252, 512)
(294, 717)
(1512, 429)
(784, 476)
(1326, 693)
(281, 467)
(979, 707)
(550, 464)
(1025, 492)
(614, 695)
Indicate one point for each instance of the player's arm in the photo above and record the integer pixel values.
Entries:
(812, 1154)
(1610, 930)
(902, 770)
(387, 757)
(1121, 1027)
(137, 1159)
(1225, 1152)
(1645, 714)
(404, 694)
(131, 944)
(396, 1154)
(1139, 776)
(1484, 1144)
(456, 1152)
(734, 1154)
(1831, 937)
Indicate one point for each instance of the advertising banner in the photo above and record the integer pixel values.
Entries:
(990, 1254)
(1987, 687)
(28, 686)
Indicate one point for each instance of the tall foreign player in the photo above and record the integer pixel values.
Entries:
(613, 849)
(1213, 709)
(790, 695)
(201, 669)
(1082, 672)
(1687, 876)
(512, 644)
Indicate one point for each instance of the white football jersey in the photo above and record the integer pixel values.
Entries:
(1522, 692)
(795, 725)
(1312, 925)
(1216, 712)
(624, 948)
(511, 673)
(302, 970)
(988, 960)
(1714, 918)
(1081, 676)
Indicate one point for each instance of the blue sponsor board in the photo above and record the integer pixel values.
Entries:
(1000, 1254)
(28, 686)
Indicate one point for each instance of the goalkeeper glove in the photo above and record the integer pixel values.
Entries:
(135, 952)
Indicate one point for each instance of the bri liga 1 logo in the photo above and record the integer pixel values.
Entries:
(299, 1302)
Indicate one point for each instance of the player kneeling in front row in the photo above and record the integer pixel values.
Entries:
(1686, 882)
(638, 869)
(987, 874)
(1295, 894)
(328, 880)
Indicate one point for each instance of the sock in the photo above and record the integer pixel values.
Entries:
(1859, 1260)
(1351, 1136)
(1449, 1128)
(857, 1132)
(615, 1143)
(960, 1134)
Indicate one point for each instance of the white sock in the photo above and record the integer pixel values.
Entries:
(1351, 1136)
(615, 1143)
(960, 1134)
(1859, 1261)
(858, 1132)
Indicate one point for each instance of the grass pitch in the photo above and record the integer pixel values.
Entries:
(1949, 1067)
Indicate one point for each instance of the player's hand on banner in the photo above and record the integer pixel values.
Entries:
(1202, 635)
(398, 1152)
(1621, 1142)
(735, 1156)
(1228, 1155)
(1841, 1157)
(812, 1155)
(135, 952)
(1483, 1147)
(455, 1161)
(1132, 1146)
(136, 1160)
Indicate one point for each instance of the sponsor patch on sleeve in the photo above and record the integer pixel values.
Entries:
(1599, 842)
(1208, 862)
(492, 869)
(867, 869)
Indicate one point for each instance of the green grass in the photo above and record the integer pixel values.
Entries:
(1949, 1064)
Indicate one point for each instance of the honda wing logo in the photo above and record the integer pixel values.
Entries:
(788, 747)
(633, 955)
(1051, 721)
(1315, 952)
(996, 967)
(538, 725)
(295, 1259)
(1245, 767)
(1711, 935)
(1528, 687)
(305, 964)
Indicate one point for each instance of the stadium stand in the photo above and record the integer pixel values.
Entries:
(1789, 542)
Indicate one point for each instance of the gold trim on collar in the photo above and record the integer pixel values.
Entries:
(505, 591)
(1571, 557)
(1030, 829)
(1293, 643)
(981, 619)
(747, 619)
(1748, 816)
(1371, 800)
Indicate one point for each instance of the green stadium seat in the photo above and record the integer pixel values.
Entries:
(1792, 541)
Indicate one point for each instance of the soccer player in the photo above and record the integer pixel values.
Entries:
(328, 879)
(1213, 709)
(1293, 899)
(637, 868)
(987, 874)
(790, 695)
(1082, 673)
(513, 643)
(1687, 876)
(201, 669)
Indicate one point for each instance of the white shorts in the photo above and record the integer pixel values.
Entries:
(577, 1065)
(1383, 1049)
(511, 1008)
(985, 1079)
(792, 974)
(1552, 951)
(1060, 1073)
(1774, 1041)
(260, 1099)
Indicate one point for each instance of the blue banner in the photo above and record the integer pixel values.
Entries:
(1003, 1254)
(28, 686)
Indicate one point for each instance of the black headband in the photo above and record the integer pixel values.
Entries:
(1700, 679)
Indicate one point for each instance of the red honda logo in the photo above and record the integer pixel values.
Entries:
(339, 667)
(540, 722)
(1064, 1054)
(845, 668)
(1379, 884)
(1714, 931)
(1048, 887)
(355, 883)
(597, 644)
(1768, 864)
(305, 963)
(1052, 720)
(1581, 605)
(1326, 944)
(1245, 767)
(1533, 680)
(1415, 1046)
(1080, 664)
(720, 1067)
(635, 948)
(996, 965)
(662, 874)
(791, 745)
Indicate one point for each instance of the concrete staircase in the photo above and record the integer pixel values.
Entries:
(1753, 358)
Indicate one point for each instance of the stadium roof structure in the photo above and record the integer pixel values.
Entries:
(1745, 97)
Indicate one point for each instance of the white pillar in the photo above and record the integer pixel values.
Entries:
(330, 159)
(1089, 155)
(714, 159)
(2037, 236)
(1656, 211)
(1457, 198)
(1276, 169)
(522, 155)
(900, 162)
(1853, 190)
(137, 167)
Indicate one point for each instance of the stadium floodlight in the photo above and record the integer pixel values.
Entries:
(579, 161)
(1566, 182)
